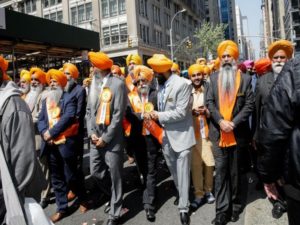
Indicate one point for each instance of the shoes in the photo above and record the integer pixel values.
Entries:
(150, 215)
(71, 196)
(209, 198)
(176, 201)
(107, 207)
(112, 222)
(220, 220)
(278, 210)
(184, 218)
(234, 216)
(84, 207)
(197, 203)
(58, 216)
(44, 203)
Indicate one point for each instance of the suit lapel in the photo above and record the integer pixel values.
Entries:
(167, 93)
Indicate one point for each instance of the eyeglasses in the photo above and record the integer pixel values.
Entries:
(141, 81)
(226, 56)
(67, 73)
(279, 57)
(35, 79)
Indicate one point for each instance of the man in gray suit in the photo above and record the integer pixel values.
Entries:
(230, 102)
(175, 115)
(105, 110)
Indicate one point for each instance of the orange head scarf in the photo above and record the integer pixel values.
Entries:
(206, 70)
(3, 67)
(284, 45)
(135, 58)
(201, 61)
(39, 74)
(72, 70)
(175, 68)
(25, 75)
(262, 66)
(160, 63)
(100, 60)
(142, 72)
(115, 69)
(195, 68)
(230, 47)
(57, 75)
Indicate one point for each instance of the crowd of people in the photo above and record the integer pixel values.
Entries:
(209, 127)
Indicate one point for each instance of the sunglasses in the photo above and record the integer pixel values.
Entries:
(279, 57)
(67, 73)
(141, 81)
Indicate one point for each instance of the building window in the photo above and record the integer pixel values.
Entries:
(48, 3)
(113, 8)
(123, 32)
(122, 7)
(55, 16)
(156, 15)
(59, 17)
(30, 6)
(105, 9)
(143, 8)
(81, 13)
(176, 7)
(167, 20)
(115, 34)
(167, 4)
(106, 36)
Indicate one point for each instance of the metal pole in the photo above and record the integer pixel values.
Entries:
(13, 63)
(171, 39)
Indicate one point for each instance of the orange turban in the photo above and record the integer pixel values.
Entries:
(100, 60)
(25, 75)
(217, 64)
(284, 45)
(72, 69)
(142, 72)
(116, 70)
(3, 67)
(230, 47)
(122, 71)
(58, 76)
(262, 66)
(175, 68)
(39, 74)
(195, 68)
(206, 70)
(160, 63)
(201, 61)
(133, 58)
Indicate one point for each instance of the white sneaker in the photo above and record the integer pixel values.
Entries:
(210, 198)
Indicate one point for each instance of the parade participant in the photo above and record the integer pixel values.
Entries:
(58, 127)
(230, 103)
(105, 110)
(174, 114)
(17, 144)
(25, 80)
(263, 66)
(78, 92)
(201, 61)
(141, 101)
(175, 69)
(279, 53)
(131, 61)
(279, 139)
(116, 70)
(202, 157)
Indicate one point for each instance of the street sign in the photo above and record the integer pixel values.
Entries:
(2, 19)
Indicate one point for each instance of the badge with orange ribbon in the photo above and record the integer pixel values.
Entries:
(103, 113)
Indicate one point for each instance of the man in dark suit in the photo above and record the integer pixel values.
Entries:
(105, 111)
(230, 102)
(140, 101)
(58, 126)
(279, 53)
(78, 92)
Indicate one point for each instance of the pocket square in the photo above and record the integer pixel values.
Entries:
(240, 94)
(170, 100)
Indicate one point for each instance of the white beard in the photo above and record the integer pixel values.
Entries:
(95, 90)
(32, 96)
(54, 95)
(227, 77)
(144, 90)
(25, 89)
(70, 84)
(277, 67)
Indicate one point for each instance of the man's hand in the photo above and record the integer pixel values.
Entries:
(46, 136)
(271, 191)
(154, 115)
(100, 143)
(226, 126)
(147, 116)
(94, 139)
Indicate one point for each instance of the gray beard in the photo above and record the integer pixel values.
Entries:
(26, 89)
(227, 78)
(54, 95)
(70, 84)
(144, 90)
(95, 90)
(32, 96)
(277, 67)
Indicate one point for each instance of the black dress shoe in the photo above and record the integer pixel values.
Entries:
(185, 218)
(44, 203)
(235, 216)
(220, 220)
(150, 215)
(112, 222)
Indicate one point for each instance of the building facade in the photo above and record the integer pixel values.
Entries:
(242, 39)
(212, 11)
(227, 16)
(124, 26)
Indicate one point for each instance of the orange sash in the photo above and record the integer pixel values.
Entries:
(53, 112)
(138, 107)
(103, 112)
(226, 108)
(129, 83)
(201, 127)
(126, 126)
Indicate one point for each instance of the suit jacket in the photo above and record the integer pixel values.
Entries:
(67, 105)
(176, 114)
(243, 108)
(112, 134)
(262, 91)
(79, 93)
